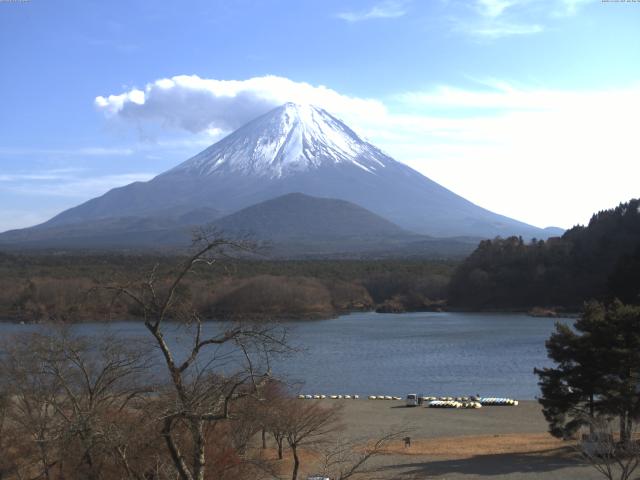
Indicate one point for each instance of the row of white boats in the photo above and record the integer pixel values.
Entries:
(347, 397)
(453, 404)
(414, 400)
(486, 401)
(432, 402)
(465, 402)
(498, 401)
(333, 397)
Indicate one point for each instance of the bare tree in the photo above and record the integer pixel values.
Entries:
(7, 463)
(31, 412)
(97, 381)
(276, 423)
(614, 459)
(217, 370)
(307, 424)
(271, 409)
(69, 397)
(346, 458)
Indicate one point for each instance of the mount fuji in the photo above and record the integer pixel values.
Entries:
(291, 149)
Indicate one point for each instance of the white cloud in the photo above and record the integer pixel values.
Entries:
(209, 105)
(56, 183)
(502, 29)
(81, 151)
(497, 8)
(494, 19)
(570, 7)
(494, 8)
(88, 187)
(389, 9)
(540, 155)
(18, 177)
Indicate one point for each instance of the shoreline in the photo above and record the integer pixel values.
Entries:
(284, 318)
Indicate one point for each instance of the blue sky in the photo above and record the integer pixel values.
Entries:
(526, 107)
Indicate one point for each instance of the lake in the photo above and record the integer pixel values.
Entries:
(395, 354)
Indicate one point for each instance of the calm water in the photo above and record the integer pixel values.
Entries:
(394, 354)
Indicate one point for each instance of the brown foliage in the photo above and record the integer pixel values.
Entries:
(268, 295)
(62, 288)
(73, 407)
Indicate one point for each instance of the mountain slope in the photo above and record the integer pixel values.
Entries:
(291, 149)
(300, 226)
(299, 216)
(172, 228)
(291, 226)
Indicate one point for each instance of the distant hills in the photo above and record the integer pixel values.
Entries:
(294, 176)
(292, 225)
(304, 226)
(299, 216)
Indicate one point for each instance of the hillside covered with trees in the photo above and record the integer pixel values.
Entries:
(599, 261)
(67, 287)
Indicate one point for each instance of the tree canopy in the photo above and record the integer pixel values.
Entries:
(601, 261)
(596, 373)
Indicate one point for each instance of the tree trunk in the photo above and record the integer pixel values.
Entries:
(624, 432)
(44, 458)
(628, 428)
(174, 451)
(296, 462)
(131, 475)
(279, 441)
(591, 414)
(264, 438)
(199, 453)
(87, 458)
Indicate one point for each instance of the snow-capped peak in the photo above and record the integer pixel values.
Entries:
(288, 139)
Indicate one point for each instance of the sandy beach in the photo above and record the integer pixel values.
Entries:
(496, 442)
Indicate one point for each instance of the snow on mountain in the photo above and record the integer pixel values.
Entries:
(290, 139)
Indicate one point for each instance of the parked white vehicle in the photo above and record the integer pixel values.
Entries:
(412, 400)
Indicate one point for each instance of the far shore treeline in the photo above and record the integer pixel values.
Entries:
(66, 287)
(599, 261)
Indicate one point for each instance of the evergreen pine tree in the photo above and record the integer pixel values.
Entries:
(598, 362)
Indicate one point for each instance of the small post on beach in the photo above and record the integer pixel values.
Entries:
(407, 442)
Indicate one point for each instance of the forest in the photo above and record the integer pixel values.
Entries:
(67, 287)
(598, 261)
